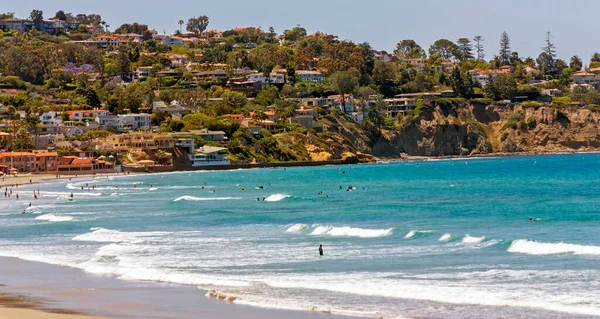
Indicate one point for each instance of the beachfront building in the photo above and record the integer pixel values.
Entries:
(32, 162)
(144, 141)
(209, 156)
(203, 156)
(84, 165)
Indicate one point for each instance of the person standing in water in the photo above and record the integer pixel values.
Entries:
(321, 249)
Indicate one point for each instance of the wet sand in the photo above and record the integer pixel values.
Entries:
(73, 294)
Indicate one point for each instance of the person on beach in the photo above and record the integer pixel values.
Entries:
(321, 249)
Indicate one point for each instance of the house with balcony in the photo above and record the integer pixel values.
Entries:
(305, 117)
(170, 41)
(143, 71)
(309, 76)
(86, 115)
(274, 78)
(397, 106)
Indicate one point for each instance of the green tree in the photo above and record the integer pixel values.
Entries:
(575, 64)
(444, 48)
(7, 16)
(343, 82)
(595, 57)
(478, 39)
(408, 48)
(91, 98)
(504, 52)
(383, 72)
(465, 48)
(197, 25)
(180, 25)
(458, 85)
(548, 56)
(60, 15)
(37, 16)
(502, 87)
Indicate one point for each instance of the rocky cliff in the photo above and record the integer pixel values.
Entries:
(478, 129)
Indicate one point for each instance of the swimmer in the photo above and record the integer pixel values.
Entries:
(321, 249)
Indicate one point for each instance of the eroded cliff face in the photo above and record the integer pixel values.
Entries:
(481, 129)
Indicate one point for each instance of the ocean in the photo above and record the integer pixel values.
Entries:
(511, 237)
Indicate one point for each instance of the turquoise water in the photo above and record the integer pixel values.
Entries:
(434, 239)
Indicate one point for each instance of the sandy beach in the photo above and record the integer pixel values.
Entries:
(16, 313)
(36, 290)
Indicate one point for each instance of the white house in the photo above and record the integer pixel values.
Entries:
(274, 78)
(138, 121)
(50, 118)
(172, 41)
(204, 156)
(143, 71)
(309, 76)
(584, 77)
(86, 115)
(209, 156)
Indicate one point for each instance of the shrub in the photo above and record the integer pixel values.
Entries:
(515, 120)
(419, 109)
(532, 104)
(531, 123)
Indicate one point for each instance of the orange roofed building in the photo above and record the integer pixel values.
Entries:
(34, 162)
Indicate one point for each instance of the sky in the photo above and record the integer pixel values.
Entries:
(382, 23)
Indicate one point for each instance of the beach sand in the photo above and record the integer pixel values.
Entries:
(16, 313)
(47, 291)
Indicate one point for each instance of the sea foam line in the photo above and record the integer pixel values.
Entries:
(195, 199)
(351, 232)
(530, 247)
(54, 218)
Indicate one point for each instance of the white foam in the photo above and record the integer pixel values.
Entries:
(468, 239)
(412, 233)
(192, 198)
(445, 237)
(54, 218)
(103, 235)
(276, 197)
(351, 232)
(529, 247)
(381, 285)
(153, 189)
(296, 228)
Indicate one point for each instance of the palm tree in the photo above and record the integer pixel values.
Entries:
(180, 24)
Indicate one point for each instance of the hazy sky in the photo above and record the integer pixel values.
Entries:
(382, 23)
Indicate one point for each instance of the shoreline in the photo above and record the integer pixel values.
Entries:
(37, 178)
(40, 290)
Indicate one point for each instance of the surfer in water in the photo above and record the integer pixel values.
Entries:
(321, 249)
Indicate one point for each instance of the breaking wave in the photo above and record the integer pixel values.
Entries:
(276, 197)
(445, 237)
(529, 247)
(351, 232)
(417, 233)
(54, 218)
(296, 228)
(196, 199)
(468, 239)
(103, 235)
